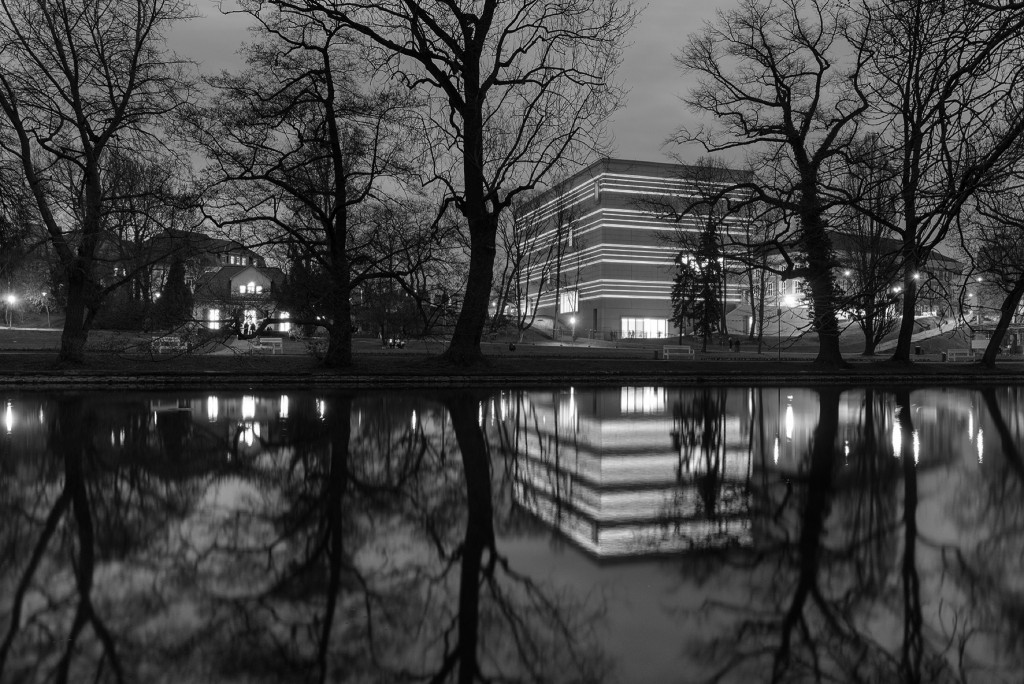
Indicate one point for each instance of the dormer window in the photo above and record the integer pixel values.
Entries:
(243, 261)
(251, 288)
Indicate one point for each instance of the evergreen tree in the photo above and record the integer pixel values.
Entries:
(175, 304)
(696, 289)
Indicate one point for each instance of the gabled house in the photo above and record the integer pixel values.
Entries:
(240, 294)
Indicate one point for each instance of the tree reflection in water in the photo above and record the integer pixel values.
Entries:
(850, 536)
(333, 538)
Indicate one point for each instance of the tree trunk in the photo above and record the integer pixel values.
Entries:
(464, 348)
(1006, 312)
(339, 345)
(903, 342)
(76, 332)
(818, 249)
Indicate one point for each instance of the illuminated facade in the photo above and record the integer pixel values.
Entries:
(608, 254)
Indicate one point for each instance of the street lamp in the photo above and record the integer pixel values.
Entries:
(572, 322)
(11, 301)
(46, 305)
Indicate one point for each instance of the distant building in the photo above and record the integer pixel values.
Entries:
(604, 250)
(231, 284)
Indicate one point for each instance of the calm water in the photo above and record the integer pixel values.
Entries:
(636, 534)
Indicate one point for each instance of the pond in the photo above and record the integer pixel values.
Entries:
(627, 534)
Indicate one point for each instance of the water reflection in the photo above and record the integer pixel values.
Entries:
(782, 534)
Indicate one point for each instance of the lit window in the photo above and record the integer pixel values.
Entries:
(213, 319)
(241, 289)
(243, 261)
(233, 260)
(569, 302)
(251, 287)
(644, 327)
(285, 325)
(259, 289)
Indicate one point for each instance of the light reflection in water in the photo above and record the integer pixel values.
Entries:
(691, 477)
(248, 407)
(897, 435)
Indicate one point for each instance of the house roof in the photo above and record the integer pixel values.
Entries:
(216, 283)
(848, 243)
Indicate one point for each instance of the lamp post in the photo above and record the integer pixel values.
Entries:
(11, 301)
(572, 322)
(46, 305)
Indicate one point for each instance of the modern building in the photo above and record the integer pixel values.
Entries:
(603, 246)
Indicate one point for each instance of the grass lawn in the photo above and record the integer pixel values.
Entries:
(28, 355)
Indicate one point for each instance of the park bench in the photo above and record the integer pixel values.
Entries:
(275, 345)
(954, 355)
(168, 344)
(677, 351)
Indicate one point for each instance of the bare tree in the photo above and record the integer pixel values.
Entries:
(513, 88)
(78, 77)
(299, 154)
(997, 250)
(872, 258)
(946, 82)
(783, 80)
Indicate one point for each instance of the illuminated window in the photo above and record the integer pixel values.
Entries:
(644, 327)
(243, 261)
(569, 302)
(213, 319)
(251, 287)
(241, 289)
(285, 325)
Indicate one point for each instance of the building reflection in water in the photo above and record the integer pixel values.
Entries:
(653, 470)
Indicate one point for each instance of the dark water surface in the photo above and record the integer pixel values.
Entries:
(633, 534)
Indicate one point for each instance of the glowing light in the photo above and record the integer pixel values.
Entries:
(11, 299)
(846, 451)
(413, 421)
(212, 408)
(847, 273)
(917, 447)
(775, 455)
(789, 421)
(9, 417)
(897, 437)
(283, 413)
(321, 408)
(789, 300)
(480, 415)
(970, 425)
(917, 276)
(248, 407)
(981, 446)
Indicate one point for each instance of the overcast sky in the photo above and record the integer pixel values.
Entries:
(652, 112)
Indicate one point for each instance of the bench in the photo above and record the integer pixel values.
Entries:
(275, 345)
(954, 355)
(677, 350)
(168, 344)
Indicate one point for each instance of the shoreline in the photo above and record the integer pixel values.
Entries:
(26, 371)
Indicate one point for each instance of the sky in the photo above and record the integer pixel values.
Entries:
(652, 112)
